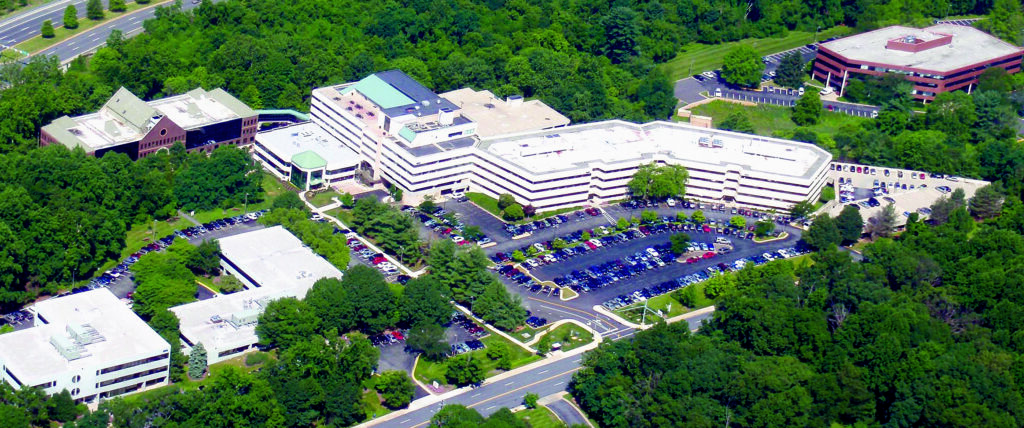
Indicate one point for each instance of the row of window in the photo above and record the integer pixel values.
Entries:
(110, 369)
(131, 376)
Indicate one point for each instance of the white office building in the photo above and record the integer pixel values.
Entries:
(272, 264)
(467, 140)
(305, 155)
(88, 343)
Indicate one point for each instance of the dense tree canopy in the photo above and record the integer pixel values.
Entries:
(653, 181)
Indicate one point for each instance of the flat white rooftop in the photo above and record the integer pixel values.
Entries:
(495, 116)
(969, 46)
(117, 334)
(288, 141)
(273, 258)
(617, 141)
(198, 108)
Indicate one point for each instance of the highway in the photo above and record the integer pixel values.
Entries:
(543, 380)
(26, 25)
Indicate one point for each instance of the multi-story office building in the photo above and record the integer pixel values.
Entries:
(88, 343)
(466, 140)
(594, 162)
(272, 264)
(306, 155)
(202, 120)
(937, 59)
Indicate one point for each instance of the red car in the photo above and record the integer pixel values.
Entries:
(692, 260)
(397, 335)
(379, 260)
(591, 245)
(709, 254)
(707, 228)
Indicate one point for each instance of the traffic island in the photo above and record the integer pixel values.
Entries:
(766, 240)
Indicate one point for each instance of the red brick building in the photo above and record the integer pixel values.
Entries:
(937, 59)
(202, 120)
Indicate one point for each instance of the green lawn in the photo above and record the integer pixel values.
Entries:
(18, 9)
(702, 300)
(344, 215)
(372, 404)
(767, 119)
(667, 304)
(208, 283)
(324, 198)
(527, 333)
(571, 336)
(38, 43)
(491, 205)
(428, 371)
(696, 58)
(541, 417)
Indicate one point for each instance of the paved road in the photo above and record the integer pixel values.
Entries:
(567, 413)
(27, 24)
(92, 39)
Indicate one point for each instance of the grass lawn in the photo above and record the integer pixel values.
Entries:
(208, 283)
(428, 371)
(324, 198)
(38, 43)
(541, 417)
(372, 404)
(802, 260)
(342, 214)
(767, 119)
(696, 58)
(667, 304)
(571, 336)
(526, 333)
(491, 205)
(18, 9)
(759, 239)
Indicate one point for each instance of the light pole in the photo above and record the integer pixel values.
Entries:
(246, 206)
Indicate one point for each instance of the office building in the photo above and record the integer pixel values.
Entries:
(88, 343)
(202, 120)
(936, 59)
(272, 264)
(306, 155)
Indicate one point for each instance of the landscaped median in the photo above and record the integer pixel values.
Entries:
(38, 43)
(429, 371)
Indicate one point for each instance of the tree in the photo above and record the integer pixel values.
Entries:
(229, 284)
(395, 192)
(558, 244)
(738, 221)
(808, 109)
(987, 201)
(428, 205)
(347, 200)
(47, 30)
(790, 72)
(61, 407)
(882, 223)
(544, 345)
(698, 217)
(505, 200)
(396, 388)
(456, 416)
(943, 207)
(742, 66)
(828, 193)
(289, 200)
(94, 10)
(530, 400)
(822, 233)
(518, 256)
(162, 280)
(850, 224)
(71, 17)
(464, 370)
(763, 227)
(371, 300)
(496, 306)
(423, 301)
(513, 212)
(680, 243)
(648, 216)
(803, 208)
(621, 34)
(622, 224)
(206, 259)
(429, 339)
(652, 181)
(197, 361)
(117, 6)
(529, 210)
(285, 322)
(501, 353)
(1006, 21)
(737, 121)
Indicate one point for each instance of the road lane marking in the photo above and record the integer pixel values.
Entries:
(474, 395)
(509, 384)
(559, 383)
(407, 420)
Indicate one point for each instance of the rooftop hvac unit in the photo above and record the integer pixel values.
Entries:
(717, 143)
(704, 141)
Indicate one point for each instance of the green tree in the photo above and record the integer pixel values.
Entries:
(464, 370)
(455, 416)
(289, 200)
(396, 388)
(229, 284)
(71, 17)
(828, 193)
(285, 322)
(698, 217)
(424, 301)
(206, 259)
(680, 243)
(61, 407)
(428, 205)
(513, 212)
(738, 221)
(117, 6)
(822, 233)
(803, 208)
(737, 121)
(94, 10)
(347, 200)
(518, 256)
(505, 200)
(395, 193)
(622, 224)
(500, 352)
(620, 34)
(850, 224)
(763, 228)
(162, 280)
(429, 339)
(808, 109)
(544, 345)
(530, 400)
(558, 244)
(790, 72)
(882, 223)
(952, 113)
(496, 306)
(648, 216)
(742, 66)
(47, 30)
(652, 181)
(1006, 21)
(987, 201)
(197, 361)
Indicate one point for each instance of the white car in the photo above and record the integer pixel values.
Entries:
(457, 239)
(827, 91)
(596, 242)
(671, 202)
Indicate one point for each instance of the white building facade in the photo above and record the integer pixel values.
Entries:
(88, 343)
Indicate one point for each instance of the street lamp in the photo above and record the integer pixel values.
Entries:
(246, 206)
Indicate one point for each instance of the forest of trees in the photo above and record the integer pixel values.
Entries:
(926, 331)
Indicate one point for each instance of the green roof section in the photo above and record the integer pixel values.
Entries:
(59, 129)
(380, 92)
(308, 160)
(302, 117)
(407, 134)
(135, 112)
(234, 104)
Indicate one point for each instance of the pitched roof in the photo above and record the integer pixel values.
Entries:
(309, 160)
(130, 109)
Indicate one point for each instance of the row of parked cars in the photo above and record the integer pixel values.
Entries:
(469, 325)
(607, 273)
(376, 259)
(700, 276)
(464, 347)
(189, 233)
(444, 226)
(387, 338)
(516, 230)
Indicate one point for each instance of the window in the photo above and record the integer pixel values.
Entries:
(75, 378)
(75, 391)
(133, 364)
(163, 131)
